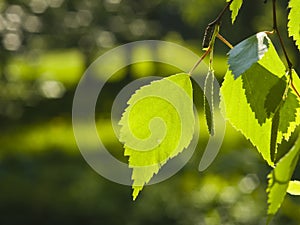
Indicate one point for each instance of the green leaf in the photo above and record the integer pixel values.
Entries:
(248, 52)
(289, 110)
(294, 187)
(269, 98)
(209, 101)
(274, 98)
(296, 81)
(294, 21)
(235, 8)
(246, 105)
(238, 112)
(156, 126)
(280, 177)
(289, 115)
(259, 83)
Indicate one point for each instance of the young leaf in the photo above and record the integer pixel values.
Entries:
(235, 8)
(294, 21)
(156, 126)
(279, 178)
(209, 101)
(248, 52)
(294, 187)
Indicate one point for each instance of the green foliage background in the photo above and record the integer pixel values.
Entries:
(45, 48)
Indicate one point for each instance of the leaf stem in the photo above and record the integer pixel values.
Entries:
(295, 89)
(200, 60)
(216, 22)
(219, 18)
(275, 27)
(289, 63)
(224, 41)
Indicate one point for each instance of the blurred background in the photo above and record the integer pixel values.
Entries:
(45, 47)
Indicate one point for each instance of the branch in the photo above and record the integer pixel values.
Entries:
(209, 33)
(199, 61)
(289, 63)
(275, 27)
(219, 18)
(295, 89)
(224, 41)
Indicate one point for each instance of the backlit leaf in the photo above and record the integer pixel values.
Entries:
(246, 104)
(235, 8)
(294, 187)
(289, 110)
(294, 21)
(289, 114)
(156, 126)
(239, 113)
(280, 177)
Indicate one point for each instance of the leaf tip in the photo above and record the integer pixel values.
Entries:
(136, 191)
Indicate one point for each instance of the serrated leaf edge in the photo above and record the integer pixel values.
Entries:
(271, 181)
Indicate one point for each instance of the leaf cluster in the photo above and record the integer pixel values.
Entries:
(259, 98)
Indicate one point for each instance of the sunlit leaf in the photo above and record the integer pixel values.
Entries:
(239, 113)
(294, 21)
(235, 8)
(280, 177)
(294, 187)
(290, 109)
(156, 126)
(248, 52)
(289, 114)
(250, 109)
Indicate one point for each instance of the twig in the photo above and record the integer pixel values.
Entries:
(295, 89)
(218, 19)
(212, 24)
(289, 63)
(275, 27)
(200, 60)
(224, 41)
